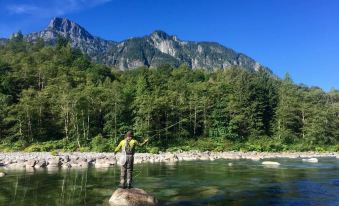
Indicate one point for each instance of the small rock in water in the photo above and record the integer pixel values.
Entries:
(230, 164)
(255, 158)
(313, 160)
(53, 163)
(30, 163)
(132, 197)
(66, 158)
(2, 174)
(40, 164)
(17, 165)
(270, 163)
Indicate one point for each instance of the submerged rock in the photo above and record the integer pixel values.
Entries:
(132, 197)
(2, 174)
(313, 160)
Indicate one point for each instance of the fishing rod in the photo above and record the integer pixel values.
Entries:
(178, 122)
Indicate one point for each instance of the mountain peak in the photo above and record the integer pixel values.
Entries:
(65, 25)
(160, 34)
(154, 49)
(59, 24)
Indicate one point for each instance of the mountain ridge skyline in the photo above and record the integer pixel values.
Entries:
(302, 43)
(150, 50)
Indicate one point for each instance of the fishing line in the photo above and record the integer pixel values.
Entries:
(137, 172)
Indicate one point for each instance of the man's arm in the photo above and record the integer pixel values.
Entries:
(144, 142)
(118, 147)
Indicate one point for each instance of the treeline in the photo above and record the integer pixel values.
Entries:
(56, 94)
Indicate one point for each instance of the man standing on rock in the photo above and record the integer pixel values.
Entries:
(127, 146)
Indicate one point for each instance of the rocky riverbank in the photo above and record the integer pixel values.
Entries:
(21, 160)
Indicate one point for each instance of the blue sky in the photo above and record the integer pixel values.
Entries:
(300, 37)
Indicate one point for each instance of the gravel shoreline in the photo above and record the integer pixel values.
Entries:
(22, 160)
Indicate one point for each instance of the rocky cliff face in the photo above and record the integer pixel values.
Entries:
(151, 50)
(95, 47)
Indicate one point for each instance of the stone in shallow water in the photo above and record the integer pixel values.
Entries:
(99, 163)
(270, 163)
(30, 163)
(17, 165)
(132, 197)
(40, 164)
(53, 163)
(2, 174)
(313, 160)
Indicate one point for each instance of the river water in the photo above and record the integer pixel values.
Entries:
(220, 182)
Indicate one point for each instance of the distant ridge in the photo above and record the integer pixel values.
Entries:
(151, 50)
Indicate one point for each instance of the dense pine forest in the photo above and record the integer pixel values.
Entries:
(54, 98)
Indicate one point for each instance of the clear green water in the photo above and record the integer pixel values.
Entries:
(185, 183)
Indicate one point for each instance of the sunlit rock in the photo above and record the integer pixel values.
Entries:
(270, 163)
(99, 163)
(312, 160)
(17, 165)
(40, 164)
(53, 163)
(2, 174)
(79, 164)
(30, 163)
(255, 158)
(132, 197)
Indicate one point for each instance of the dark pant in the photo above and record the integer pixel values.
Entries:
(126, 171)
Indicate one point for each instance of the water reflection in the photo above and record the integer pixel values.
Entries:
(54, 186)
(183, 183)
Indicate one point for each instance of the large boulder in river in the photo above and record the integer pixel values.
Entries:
(132, 197)
(100, 163)
(2, 174)
(55, 162)
(30, 163)
(40, 164)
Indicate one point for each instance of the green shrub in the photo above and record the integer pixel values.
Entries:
(45, 146)
(70, 146)
(54, 153)
(84, 149)
(33, 148)
(19, 145)
(153, 150)
(99, 144)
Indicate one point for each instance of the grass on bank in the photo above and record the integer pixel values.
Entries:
(100, 144)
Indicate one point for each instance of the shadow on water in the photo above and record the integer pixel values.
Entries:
(245, 182)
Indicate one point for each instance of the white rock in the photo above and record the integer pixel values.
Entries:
(2, 174)
(100, 163)
(312, 160)
(17, 165)
(255, 158)
(30, 163)
(270, 163)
